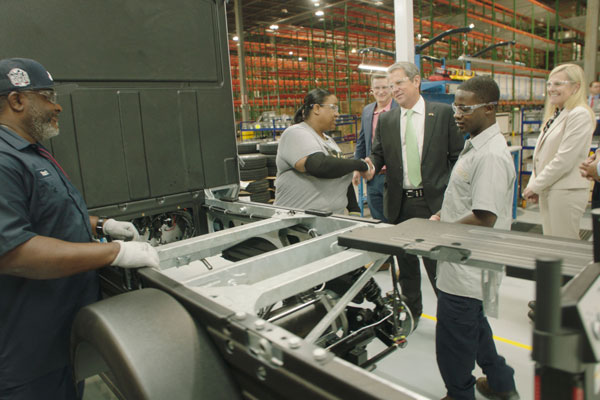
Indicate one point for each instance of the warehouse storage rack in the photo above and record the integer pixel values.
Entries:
(283, 64)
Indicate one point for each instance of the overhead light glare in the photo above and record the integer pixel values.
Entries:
(471, 26)
(235, 38)
(274, 27)
(299, 58)
(319, 13)
(368, 67)
(353, 51)
(291, 53)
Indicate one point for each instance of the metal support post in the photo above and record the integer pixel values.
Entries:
(547, 288)
(591, 40)
(239, 27)
(403, 21)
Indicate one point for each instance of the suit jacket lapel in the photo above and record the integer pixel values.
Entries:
(427, 129)
(397, 138)
(552, 128)
(368, 125)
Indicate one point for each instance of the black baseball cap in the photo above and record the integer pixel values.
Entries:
(21, 74)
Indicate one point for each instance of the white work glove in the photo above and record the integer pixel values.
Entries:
(135, 255)
(120, 230)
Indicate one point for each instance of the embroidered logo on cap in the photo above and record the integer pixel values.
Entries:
(18, 77)
(44, 172)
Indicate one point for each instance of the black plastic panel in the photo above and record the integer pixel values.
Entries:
(116, 40)
(153, 114)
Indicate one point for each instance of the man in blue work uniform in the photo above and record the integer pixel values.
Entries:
(47, 254)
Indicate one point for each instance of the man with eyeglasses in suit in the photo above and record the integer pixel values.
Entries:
(418, 143)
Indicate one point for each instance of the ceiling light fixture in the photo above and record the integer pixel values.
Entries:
(274, 27)
(291, 53)
(299, 58)
(368, 67)
(235, 38)
(319, 13)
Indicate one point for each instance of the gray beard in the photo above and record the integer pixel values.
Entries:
(43, 131)
(38, 128)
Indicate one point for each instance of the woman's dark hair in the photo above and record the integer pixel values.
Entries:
(315, 96)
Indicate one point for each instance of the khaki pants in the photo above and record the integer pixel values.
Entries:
(561, 211)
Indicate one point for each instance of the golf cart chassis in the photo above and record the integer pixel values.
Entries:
(230, 352)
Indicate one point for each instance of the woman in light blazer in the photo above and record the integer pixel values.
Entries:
(563, 144)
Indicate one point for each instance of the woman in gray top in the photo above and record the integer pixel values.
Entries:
(311, 173)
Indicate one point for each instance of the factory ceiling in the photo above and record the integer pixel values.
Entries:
(263, 13)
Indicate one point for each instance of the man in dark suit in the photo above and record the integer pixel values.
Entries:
(382, 92)
(419, 143)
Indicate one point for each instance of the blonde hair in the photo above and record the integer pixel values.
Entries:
(575, 74)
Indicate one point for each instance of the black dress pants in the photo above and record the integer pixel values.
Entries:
(410, 271)
(596, 195)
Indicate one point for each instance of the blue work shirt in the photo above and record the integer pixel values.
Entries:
(36, 315)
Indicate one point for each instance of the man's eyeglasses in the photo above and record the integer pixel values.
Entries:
(557, 84)
(48, 94)
(334, 107)
(468, 110)
(401, 81)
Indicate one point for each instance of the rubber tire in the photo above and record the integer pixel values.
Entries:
(252, 161)
(260, 197)
(268, 147)
(253, 174)
(272, 171)
(247, 147)
(271, 160)
(257, 186)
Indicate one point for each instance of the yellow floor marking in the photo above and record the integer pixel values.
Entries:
(498, 338)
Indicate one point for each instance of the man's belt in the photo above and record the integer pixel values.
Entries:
(413, 193)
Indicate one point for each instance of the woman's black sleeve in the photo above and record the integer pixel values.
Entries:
(328, 167)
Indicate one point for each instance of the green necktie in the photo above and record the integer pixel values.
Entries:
(413, 159)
